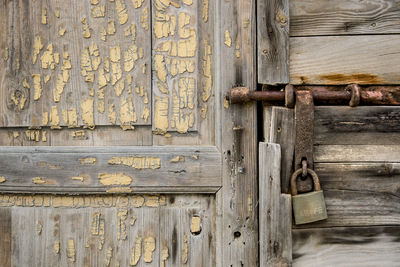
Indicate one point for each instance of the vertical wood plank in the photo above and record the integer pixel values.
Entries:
(274, 210)
(238, 240)
(273, 41)
(5, 237)
(279, 129)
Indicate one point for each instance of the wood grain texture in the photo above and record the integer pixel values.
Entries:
(238, 228)
(339, 125)
(345, 59)
(346, 246)
(356, 153)
(273, 41)
(342, 17)
(279, 129)
(275, 210)
(5, 237)
(174, 169)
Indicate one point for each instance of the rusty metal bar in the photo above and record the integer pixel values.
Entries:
(324, 95)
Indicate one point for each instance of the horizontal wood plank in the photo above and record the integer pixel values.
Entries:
(341, 17)
(334, 60)
(357, 153)
(347, 246)
(108, 170)
(343, 125)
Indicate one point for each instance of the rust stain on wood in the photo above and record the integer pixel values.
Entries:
(361, 78)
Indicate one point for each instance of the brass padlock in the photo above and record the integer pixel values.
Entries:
(308, 207)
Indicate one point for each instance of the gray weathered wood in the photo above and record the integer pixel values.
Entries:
(237, 200)
(356, 153)
(273, 41)
(275, 210)
(180, 169)
(356, 126)
(279, 128)
(347, 246)
(5, 237)
(368, 59)
(341, 17)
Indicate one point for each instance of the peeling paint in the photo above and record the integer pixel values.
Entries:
(87, 113)
(61, 30)
(144, 19)
(130, 57)
(122, 215)
(152, 201)
(37, 86)
(57, 13)
(85, 28)
(114, 179)
(103, 34)
(112, 115)
(145, 113)
(178, 159)
(98, 11)
(109, 253)
(161, 114)
(71, 250)
(127, 114)
(164, 256)
(132, 220)
(56, 247)
(120, 7)
(87, 161)
(137, 162)
(44, 16)
(78, 178)
(47, 59)
(204, 12)
(5, 55)
(119, 190)
(185, 249)
(81, 134)
(228, 39)
(195, 225)
(38, 180)
(137, 3)
(136, 252)
(44, 136)
(119, 87)
(2, 179)
(101, 234)
(149, 245)
(111, 27)
(39, 228)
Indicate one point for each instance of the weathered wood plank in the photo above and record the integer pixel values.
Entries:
(237, 200)
(5, 237)
(347, 246)
(356, 153)
(279, 129)
(341, 17)
(273, 41)
(332, 60)
(275, 210)
(103, 169)
(357, 126)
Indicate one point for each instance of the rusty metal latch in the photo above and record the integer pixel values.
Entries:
(352, 95)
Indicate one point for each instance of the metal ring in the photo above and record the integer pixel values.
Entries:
(289, 96)
(355, 95)
(314, 176)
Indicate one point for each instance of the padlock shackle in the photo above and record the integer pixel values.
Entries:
(314, 176)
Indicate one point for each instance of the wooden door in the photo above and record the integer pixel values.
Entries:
(118, 147)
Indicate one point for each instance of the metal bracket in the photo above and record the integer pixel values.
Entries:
(304, 139)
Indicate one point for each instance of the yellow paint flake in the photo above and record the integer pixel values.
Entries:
(228, 39)
(185, 249)
(79, 134)
(71, 250)
(132, 220)
(178, 159)
(5, 56)
(44, 136)
(72, 118)
(54, 118)
(119, 190)
(46, 78)
(103, 34)
(137, 3)
(114, 179)
(145, 113)
(85, 28)
(145, 19)
(15, 135)
(87, 113)
(161, 114)
(25, 84)
(44, 16)
(136, 252)
(45, 118)
(187, 2)
(237, 49)
(37, 86)
(204, 11)
(57, 13)
(187, 47)
(39, 228)
(112, 115)
(144, 68)
(160, 68)
(183, 20)
(56, 247)
(66, 61)
(2, 179)
(108, 256)
(152, 201)
(98, 11)
(111, 27)
(101, 80)
(226, 103)
(47, 58)
(61, 30)
(38, 180)
(149, 245)
(101, 106)
(122, 215)
(127, 115)
(87, 161)
(119, 87)
(115, 56)
(164, 256)
(77, 178)
(62, 78)
(101, 234)
(94, 2)
(185, 100)
(120, 7)
(204, 111)
(130, 57)
(207, 84)
(164, 25)
(137, 162)
(195, 225)
(179, 66)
